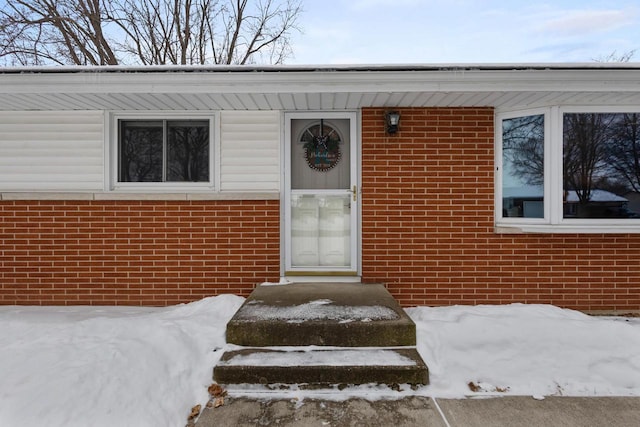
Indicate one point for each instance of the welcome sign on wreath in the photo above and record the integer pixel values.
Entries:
(321, 146)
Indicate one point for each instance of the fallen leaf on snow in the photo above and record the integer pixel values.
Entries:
(478, 387)
(195, 411)
(474, 387)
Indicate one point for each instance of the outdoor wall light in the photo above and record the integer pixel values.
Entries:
(392, 119)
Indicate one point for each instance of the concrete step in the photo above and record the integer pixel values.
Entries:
(323, 314)
(340, 366)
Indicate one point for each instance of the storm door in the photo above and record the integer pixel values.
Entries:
(321, 200)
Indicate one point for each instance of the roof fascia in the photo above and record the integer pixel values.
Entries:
(320, 81)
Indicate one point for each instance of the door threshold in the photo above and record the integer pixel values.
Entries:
(320, 278)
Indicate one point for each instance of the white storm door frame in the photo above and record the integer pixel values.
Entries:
(353, 191)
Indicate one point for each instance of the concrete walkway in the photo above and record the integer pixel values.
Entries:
(428, 412)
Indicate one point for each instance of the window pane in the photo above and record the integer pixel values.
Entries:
(523, 167)
(601, 169)
(188, 150)
(140, 151)
(320, 230)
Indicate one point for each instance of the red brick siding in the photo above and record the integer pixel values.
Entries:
(428, 225)
(135, 252)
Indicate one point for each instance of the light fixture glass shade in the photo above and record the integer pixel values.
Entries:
(392, 119)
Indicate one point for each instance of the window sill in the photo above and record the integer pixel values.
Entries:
(566, 229)
(121, 195)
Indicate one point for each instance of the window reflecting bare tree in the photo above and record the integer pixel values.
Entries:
(523, 166)
(164, 151)
(584, 151)
(140, 151)
(523, 148)
(600, 164)
(188, 151)
(623, 151)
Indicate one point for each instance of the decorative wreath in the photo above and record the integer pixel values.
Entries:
(321, 146)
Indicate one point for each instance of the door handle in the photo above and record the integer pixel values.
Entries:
(355, 193)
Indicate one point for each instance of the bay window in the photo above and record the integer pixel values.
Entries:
(569, 169)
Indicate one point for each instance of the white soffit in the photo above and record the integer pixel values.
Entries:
(318, 87)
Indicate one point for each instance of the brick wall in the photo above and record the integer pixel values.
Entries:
(428, 225)
(135, 252)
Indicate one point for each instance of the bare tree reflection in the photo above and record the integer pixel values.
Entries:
(140, 151)
(188, 149)
(523, 148)
(157, 151)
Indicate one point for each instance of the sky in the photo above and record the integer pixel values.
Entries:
(465, 31)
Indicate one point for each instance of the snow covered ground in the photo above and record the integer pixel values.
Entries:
(141, 367)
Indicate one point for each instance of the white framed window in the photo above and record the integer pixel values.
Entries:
(160, 151)
(522, 147)
(568, 169)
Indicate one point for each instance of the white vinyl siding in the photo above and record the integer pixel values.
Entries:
(63, 151)
(250, 151)
(51, 151)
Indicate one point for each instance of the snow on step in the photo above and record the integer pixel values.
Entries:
(321, 309)
(375, 357)
(321, 314)
(322, 367)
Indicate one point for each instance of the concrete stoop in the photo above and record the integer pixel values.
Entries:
(322, 367)
(367, 336)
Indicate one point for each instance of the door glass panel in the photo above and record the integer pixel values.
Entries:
(321, 194)
(320, 158)
(321, 230)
